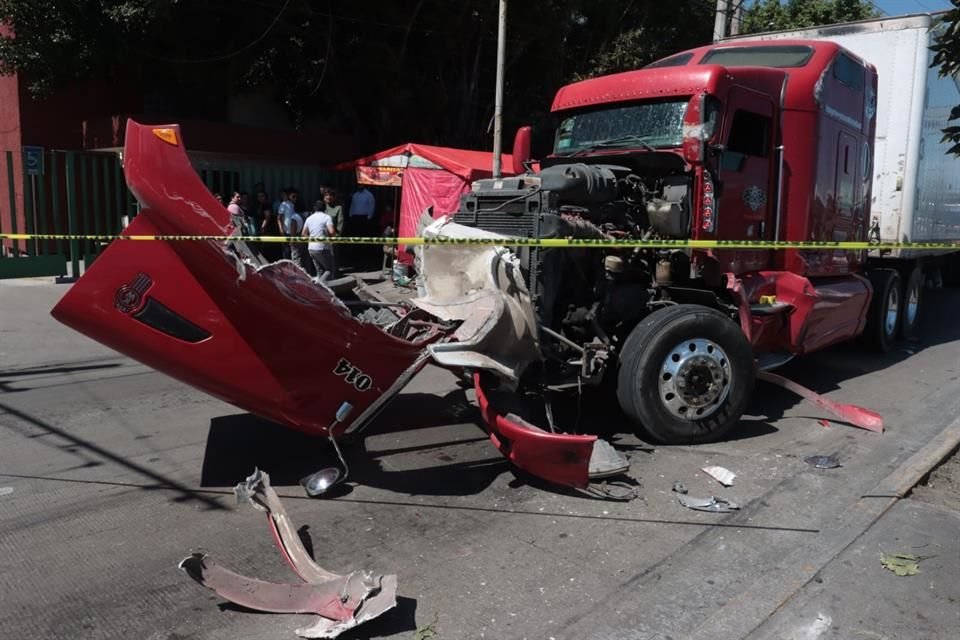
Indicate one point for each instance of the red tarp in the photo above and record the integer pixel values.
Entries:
(429, 177)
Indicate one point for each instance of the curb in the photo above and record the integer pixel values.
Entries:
(742, 615)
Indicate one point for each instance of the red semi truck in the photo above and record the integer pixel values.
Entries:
(747, 141)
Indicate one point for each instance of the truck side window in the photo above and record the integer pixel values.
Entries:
(848, 71)
(749, 136)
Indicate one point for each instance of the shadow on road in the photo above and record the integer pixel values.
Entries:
(237, 444)
(7, 378)
(80, 446)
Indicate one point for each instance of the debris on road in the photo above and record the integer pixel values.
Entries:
(341, 601)
(822, 462)
(852, 414)
(427, 631)
(902, 564)
(5, 491)
(712, 504)
(679, 487)
(824, 423)
(721, 474)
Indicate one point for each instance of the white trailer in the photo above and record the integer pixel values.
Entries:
(916, 185)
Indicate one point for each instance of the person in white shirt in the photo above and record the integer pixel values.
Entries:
(319, 226)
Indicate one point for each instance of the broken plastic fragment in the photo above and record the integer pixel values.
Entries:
(679, 487)
(857, 416)
(822, 462)
(902, 564)
(712, 504)
(605, 461)
(341, 601)
(721, 474)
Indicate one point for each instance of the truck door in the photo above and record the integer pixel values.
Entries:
(847, 219)
(747, 200)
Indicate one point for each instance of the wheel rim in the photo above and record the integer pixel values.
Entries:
(893, 310)
(913, 303)
(695, 379)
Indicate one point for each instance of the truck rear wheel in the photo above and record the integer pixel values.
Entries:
(686, 374)
(912, 297)
(883, 319)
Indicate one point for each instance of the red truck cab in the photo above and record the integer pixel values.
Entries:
(779, 140)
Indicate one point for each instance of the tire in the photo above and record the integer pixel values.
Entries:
(883, 318)
(910, 310)
(685, 360)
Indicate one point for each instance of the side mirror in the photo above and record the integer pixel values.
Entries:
(696, 132)
(521, 149)
(317, 484)
(694, 144)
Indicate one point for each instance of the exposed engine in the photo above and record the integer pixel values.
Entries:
(587, 298)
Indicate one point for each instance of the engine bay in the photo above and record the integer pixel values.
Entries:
(588, 299)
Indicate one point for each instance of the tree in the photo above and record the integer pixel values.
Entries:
(778, 15)
(386, 71)
(947, 58)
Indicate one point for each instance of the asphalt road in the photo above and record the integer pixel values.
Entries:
(111, 473)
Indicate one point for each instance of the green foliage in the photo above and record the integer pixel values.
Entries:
(53, 42)
(777, 15)
(634, 34)
(947, 57)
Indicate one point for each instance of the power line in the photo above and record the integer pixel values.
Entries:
(225, 56)
(874, 5)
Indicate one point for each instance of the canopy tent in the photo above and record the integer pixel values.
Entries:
(428, 176)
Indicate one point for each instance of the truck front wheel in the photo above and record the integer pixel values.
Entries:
(686, 374)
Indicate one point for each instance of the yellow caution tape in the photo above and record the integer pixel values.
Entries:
(512, 242)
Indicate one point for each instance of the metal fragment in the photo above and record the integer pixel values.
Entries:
(341, 601)
(822, 462)
(712, 504)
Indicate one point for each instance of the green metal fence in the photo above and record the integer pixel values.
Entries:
(58, 192)
(83, 192)
(226, 177)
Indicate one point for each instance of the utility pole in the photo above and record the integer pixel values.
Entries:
(720, 22)
(498, 99)
(737, 17)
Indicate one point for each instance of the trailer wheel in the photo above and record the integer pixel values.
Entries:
(883, 318)
(686, 374)
(912, 298)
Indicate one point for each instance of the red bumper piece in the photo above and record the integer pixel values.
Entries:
(555, 457)
(850, 413)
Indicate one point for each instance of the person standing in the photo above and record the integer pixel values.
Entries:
(333, 209)
(362, 208)
(285, 212)
(319, 226)
(269, 227)
(360, 218)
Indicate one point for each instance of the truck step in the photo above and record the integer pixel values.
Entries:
(769, 309)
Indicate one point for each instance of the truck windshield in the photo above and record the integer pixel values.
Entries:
(649, 124)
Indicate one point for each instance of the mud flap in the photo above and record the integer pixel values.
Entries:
(341, 601)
